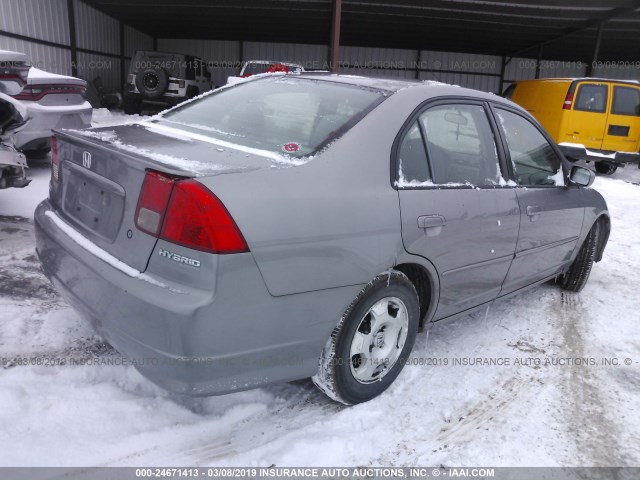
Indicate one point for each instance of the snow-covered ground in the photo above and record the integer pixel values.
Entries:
(542, 411)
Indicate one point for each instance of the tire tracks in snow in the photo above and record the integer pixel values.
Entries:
(480, 413)
(584, 410)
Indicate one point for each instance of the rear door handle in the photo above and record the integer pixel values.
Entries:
(533, 211)
(432, 224)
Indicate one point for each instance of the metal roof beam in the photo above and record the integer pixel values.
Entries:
(613, 13)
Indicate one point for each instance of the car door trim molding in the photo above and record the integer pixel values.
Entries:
(547, 246)
(479, 264)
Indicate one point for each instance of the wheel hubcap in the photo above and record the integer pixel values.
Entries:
(379, 340)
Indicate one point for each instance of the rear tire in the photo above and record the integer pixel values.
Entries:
(576, 277)
(606, 168)
(369, 346)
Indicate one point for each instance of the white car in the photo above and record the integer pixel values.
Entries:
(53, 101)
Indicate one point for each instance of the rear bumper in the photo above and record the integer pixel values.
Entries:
(44, 118)
(575, 152)
(198, 342)
(162, 101)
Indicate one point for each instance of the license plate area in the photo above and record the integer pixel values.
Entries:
(94, 202)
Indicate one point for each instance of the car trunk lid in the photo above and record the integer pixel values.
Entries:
(100, 173)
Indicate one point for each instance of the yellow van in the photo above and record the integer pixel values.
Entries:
(590, 118)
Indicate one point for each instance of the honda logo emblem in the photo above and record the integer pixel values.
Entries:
(86, 159)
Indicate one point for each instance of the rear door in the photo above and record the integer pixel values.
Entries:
(455, 210)
(587, 120)
(622, 132)
(551, 213)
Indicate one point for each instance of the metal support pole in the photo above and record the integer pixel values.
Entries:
(539, 61)
(123, 73)
(596, 51)
(71, 14)
(334, 46)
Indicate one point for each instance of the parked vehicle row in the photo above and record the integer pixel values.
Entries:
(14, 69)
(33, 103)
(307, 226)
(159, 80)
(52, 101)
(13, 163)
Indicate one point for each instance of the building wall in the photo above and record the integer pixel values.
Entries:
(97, 39)
(481, 72)
(41, 19)
(100, 52)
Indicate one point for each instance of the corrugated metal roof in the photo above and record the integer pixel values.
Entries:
(494, 27)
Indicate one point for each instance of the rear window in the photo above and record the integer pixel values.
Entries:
(591, 98)
(281, 114)
(626, 101)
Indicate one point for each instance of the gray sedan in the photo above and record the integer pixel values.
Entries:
(296, 226)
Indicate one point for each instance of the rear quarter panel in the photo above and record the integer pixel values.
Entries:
(332, 222)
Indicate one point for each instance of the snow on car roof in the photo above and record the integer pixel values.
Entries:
(271, 61)
(394, 85)
(389, 84)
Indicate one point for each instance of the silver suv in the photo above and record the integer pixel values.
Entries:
(159, 80)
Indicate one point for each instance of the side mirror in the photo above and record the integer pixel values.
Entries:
(582, 177)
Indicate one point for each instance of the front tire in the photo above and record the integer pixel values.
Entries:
(606, 168)
(369, 346)
(576, 277)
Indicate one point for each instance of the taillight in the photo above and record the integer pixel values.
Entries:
(35, 93)
(197, 219)
(55, 163)
(568, 101)
(153, 201)
(185, 212)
